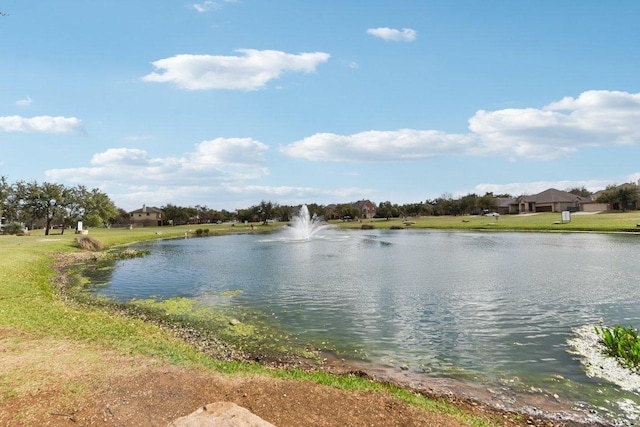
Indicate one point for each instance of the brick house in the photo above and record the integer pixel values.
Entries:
(147, 216)
(367, 208)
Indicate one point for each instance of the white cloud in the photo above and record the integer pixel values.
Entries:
(526, 132)
(138, 138)
(210, 5)
(206, 6)
(41, 124)
(24, 102)
(220, 170)
(595, 118)
(251, 70)
(392, 34)
(404, 144)
(215, 161)
(228, 151)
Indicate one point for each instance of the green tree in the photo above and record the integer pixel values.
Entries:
(121, 217)
(46, 201)
(580, 191)
(387, 210)
(5, 193)
(316, 209)
(16, 206)
(627, 196)
(468, 203)
(176, 215)
(285, 212)
(99, 209)
(222, 215)
(487, 202)
(446, 205)
(248, 215)
(347, 210)
(266, 210)
(620, 197)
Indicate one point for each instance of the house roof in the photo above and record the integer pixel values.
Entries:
(147, 209)
(504, 202)
(554, 196)
(362, 203)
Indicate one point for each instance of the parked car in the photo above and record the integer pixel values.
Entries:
(491, 214)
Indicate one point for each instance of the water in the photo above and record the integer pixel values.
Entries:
(492, 308)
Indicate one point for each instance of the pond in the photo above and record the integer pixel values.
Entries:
(495, 309)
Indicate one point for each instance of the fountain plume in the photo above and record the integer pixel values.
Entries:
(304, 226)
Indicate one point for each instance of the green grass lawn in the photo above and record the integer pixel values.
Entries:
(601, 222)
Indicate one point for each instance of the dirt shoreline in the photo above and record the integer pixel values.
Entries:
(470, 398)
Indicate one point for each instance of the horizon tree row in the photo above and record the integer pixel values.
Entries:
(46, 204)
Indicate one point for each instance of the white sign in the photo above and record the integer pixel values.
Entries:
(566, 216)
(79, 225)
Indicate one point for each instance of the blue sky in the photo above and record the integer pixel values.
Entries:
(227, 103)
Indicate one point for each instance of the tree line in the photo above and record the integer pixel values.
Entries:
(618, 196)
(268, 210)
(47, 204)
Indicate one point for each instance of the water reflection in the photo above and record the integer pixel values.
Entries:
(492, 307)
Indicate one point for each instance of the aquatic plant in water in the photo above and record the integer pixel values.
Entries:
(621, 343)
(598, 363)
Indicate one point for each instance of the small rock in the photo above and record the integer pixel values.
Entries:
(220, 414)
(234, 322)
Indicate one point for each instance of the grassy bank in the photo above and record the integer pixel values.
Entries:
(552, 221)
(31, 306)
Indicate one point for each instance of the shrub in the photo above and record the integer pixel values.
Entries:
(88, 243)
(13, 228)
(367, 227)
(199, 232)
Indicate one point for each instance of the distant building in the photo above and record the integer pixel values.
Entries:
(367, 208)
(506, 205)
(631, 205)
(550, 200)
(147, 216)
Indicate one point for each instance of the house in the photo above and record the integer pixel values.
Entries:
(367, 208)
(147, 216)
(551, 200)
(506, 205)
(630, 204)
